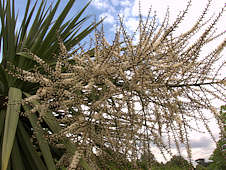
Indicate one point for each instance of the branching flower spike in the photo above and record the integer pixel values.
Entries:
(127, 96)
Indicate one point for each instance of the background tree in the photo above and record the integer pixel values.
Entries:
(38, 32)
(219, 154)
(128, 94)
(200, 167)
(113, 160)
(178, 162)
(147, 160)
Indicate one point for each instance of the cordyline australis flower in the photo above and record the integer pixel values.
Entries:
(127, 96)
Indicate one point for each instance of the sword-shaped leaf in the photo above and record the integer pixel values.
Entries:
(33, 158)
(41, 140)
(12, 115)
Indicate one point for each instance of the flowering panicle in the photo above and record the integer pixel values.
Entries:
(126, 96)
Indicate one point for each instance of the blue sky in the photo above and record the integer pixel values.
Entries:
(202, 146)
(98, 9)
(129, 10)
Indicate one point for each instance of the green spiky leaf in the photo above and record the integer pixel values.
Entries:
(12, 115)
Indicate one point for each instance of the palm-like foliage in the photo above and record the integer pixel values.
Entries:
(39, 32)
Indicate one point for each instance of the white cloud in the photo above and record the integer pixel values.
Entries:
(125, 12)
(125, 3)
(201, 147)
(109, 18)
(201, 142)
(100, 4)
(131, 23)
(104, 5)
(175, 6)
(115, 2)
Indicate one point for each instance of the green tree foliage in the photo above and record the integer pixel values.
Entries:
(147, 161)
(113, 160)
(201, 167)
(218, 157)
(179, 162)
(219, 154)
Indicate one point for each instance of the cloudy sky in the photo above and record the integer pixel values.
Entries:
(201, 144)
